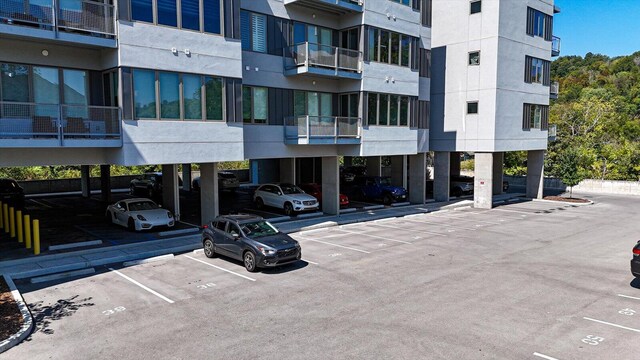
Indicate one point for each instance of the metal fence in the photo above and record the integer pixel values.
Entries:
(83, 16)
(326, 56)
(306, 126)
(53, 121)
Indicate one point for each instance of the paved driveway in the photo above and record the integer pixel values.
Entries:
(530, 280)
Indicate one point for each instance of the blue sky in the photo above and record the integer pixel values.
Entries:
(610, 27)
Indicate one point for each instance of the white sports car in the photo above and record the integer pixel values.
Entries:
(139, 214)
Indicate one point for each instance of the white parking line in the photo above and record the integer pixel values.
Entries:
(219, 268)
(143, 287)
(544, 356)
(629, 297)
(517, 211)
(438, 223)
(375, 236)
(341, 246)
(403, 229)
(611, 324)
(465, 219)
(310, 262)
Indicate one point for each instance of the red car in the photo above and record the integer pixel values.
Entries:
(315, 190)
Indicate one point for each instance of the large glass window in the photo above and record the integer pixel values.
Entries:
(395, 48)
(212, 22)
(190, 14)
(384, 46)
(167, 12)
(15, 82)
(405, 50)
(383, 110)
(393, 110)
(389, 47)
(537, 70)
(46, 85)
(214, 98)
(372, 109)
(299, 103)
(536, 117)
(144, 93)
(192, 95)
(374, 43)
(253, 29)
(538, 24)
(299, 33)
(255, 104)
(169, 95)
(142, 10)
(75, 87)
(404, 111)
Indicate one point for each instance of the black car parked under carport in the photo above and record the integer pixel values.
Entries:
(635, 262)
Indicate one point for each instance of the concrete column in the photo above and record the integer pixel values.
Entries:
(455, 164)
(288, 170)
(498, 163)
(330, 185)
(417, 178)
(483, 181)
(105, 182)
(85, 180)
(254, 171)
(374, 165)
(535, 174)
(399, 170)
(170, 189)
(186, 177)
(441, 175)
(209, 200)
(348, 161)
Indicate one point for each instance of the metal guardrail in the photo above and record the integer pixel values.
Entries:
(307, 126)
(53, 121)
(84, 16)
(326, 56)
(555, 46)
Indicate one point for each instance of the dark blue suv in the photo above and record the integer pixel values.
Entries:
(379, 188)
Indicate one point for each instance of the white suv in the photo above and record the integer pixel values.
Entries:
(288, 197)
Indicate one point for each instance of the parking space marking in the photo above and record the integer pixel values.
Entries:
(338, 245)
(375, 236)
(310, 262)
(612, 324)
(403, 229)
(143, 287)
(437, 223)
(544, 356)
(629, 297)
(219, 268)
(41, 204)
(465, 218)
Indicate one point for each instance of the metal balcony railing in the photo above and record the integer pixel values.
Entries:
(335, 127)
(324, 56)
(555, 46)
(53, 121)
(82, 16)
(554, 89)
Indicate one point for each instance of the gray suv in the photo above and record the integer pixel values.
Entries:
(250, 239)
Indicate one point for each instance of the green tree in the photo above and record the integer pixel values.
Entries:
(569, 169)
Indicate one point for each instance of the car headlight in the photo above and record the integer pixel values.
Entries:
(297, 202)
(266, 251)
(140, 217)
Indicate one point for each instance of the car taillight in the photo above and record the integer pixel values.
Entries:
(205, 226)
(636, 251)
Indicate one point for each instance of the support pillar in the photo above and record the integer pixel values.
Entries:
(417, 178)
(186, 177)
(209, 200)
(85, 180)
(399, 170)
(105, 183)
(483, 181)
(374, 165)
(455, 164)
(498, 163)
(288, 170)
(170, 189)
(535, 174)
(330, 185)
(441, 175)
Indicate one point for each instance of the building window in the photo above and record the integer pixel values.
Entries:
(372, 109)
(142, 10)
(192, 97)
(387, 110)
(254, 104)
(190, 14)
(169, 84)
(165, 12)
(144, 94)
(254, 31)
(425, 63)
(213, 98)
(476, 6)
(539, 24)
(537, 71)
(15, 82)
(535, 117)
(405, 50)
(389, 47)
(474, 58)
(212, 17)
(404, 2)
(472, 107)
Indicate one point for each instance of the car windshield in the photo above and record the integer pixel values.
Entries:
(290, 189)
(142, 205)
(385, 181)
(258, 229)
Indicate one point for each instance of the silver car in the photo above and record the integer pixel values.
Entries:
(285, 196)
(139, 214)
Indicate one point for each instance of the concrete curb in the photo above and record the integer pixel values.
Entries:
(58, 276)
(27, 320)
(75, 245)
(565, 202)
(178, 232)
(373, 207)
(148, 260)
(310, 215)
(278, 219)
(406, 203)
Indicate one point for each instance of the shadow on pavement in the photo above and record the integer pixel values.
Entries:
(43, 315)
(635, 283)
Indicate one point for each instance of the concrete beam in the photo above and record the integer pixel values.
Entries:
(498, 169)
(483, 181)
(417, 178)
(209, 199)
(535, 174)
(330, 185)
(441, 175)
(171, 189)
(85, 180)
(105, 183)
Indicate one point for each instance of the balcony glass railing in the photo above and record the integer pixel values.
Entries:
(310, 127)
(323, 56)
(53, 121)
(554, 89)
(90, 17)
(555, 46)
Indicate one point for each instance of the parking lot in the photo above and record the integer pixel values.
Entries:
(527, 280)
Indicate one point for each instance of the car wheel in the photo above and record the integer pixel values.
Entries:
(209, 248)
(132, 190)
(387, 199)
(457, 192)
(249, 261)
(259, 203)
(131, 224)
(288, 209)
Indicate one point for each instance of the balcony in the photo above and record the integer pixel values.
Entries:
(334, 6)
(553, 132)
(555, 46)
(555, 90)
(322, 130)
(322, 60)
(76, 21)
(51, 125)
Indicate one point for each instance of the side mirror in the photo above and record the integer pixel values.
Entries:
(235, 236)
(279, 193)
(160, 206)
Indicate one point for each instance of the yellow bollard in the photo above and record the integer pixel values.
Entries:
(36, 237)
(19, 225)
(27, 231)
(12, 221)
(1, 217)
(5, 213)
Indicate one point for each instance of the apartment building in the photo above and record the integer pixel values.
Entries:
(292, 85)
